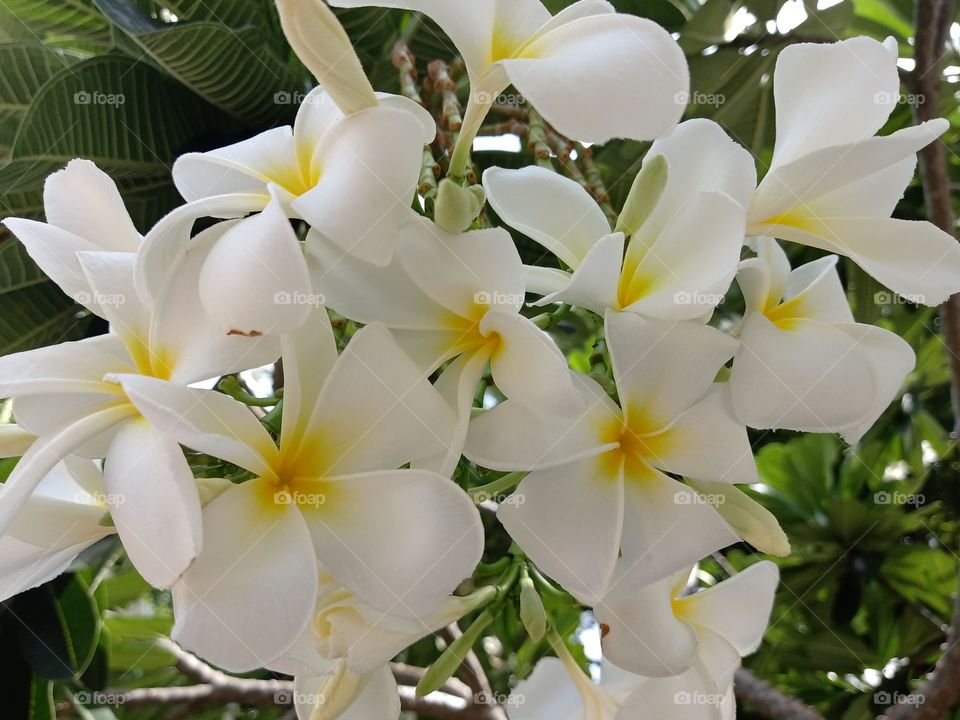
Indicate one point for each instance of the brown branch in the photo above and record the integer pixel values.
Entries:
(940, 692)
(439, 80)
(768, 701)
(404, 61)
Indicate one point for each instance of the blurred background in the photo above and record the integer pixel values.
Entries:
(867, 596)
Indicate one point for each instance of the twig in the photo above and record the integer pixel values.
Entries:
(439, 80)
(768, 701)
(406, 63)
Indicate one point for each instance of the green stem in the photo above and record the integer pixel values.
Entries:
(477, 109)
(231, 386)
(497, 487)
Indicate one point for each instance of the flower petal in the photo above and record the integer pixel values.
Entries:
(204, 420)
(811, 377)
(658, 372)
(667, 527)
(833, 93)
(568, 519)
(751, 520)
(547, 693)
(650, 101)
(254, 282)
(377, 411)
(70, 367)
(370, 167)
(549, 208)
(154, 502)
(250, 594)
(642, 633)
(401, 540)
(594, 283)
(14, 440)
(514, 436)
(737, 609)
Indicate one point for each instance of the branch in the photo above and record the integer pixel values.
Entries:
(940, 692)
(768, 701)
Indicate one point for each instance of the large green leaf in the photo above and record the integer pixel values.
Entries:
(26, 68)
(234, 69)
(75, 23)
(33, 310)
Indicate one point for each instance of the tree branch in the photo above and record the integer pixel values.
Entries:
(940, 692)
(768, 701)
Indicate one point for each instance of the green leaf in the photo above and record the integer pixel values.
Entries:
(26, 68)
(33, 310)
(707, 27)
(60, 627)
(885, 14)
(235, 70)
(75, 23)
(829, 23)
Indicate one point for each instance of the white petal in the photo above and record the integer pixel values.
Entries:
(829, 94)
(667, 527)
(544, 281)
(369, 293)
(650, 100)
(14, 440)
(752, 522)
(250, 593)
(700, 157)
(377, 411)
(811, 377)
(686, 271)
(154, 502)
(568, 519)
(324, 47)
(547, 693)
(804, 188)
(193, 345)
(111, 276)
(49, 450)
(370, 167)
(24, 566)
(915, 259)
(84, 201)
(378, 699)
(692, 695)
(549, 208)
(244, 168)
(254, 281)
(708, 443)
(308, 358)
(204, 420)
(738, 608)
(643, 635)
(817, 293)
(528, 366)
(594, 283)
(663, 368)
(399, 102)
(400, 540)
(892, 359)
(514, 436)
(72, 367)
(463, 272)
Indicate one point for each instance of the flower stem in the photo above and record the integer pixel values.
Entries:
(497, 487)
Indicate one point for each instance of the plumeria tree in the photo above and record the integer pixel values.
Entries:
(479, 359)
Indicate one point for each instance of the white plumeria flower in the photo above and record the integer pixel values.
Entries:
(62, 394)
(351, 177)
(681, 260)
(453, 296)
(598, 483)
(689, 644)
(833, 185)
(341, 664)
(60, 520)
(517, 42)
(803, 363)
(559, 690)
(401, 540)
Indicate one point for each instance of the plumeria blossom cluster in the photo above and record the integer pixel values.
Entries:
(340, 537)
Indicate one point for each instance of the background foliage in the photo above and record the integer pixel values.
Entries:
(131, 84)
